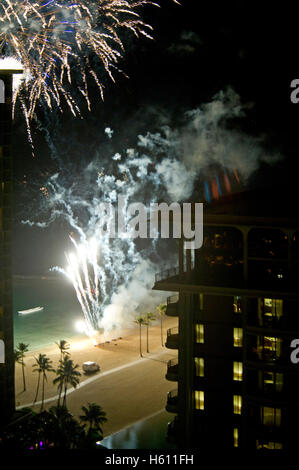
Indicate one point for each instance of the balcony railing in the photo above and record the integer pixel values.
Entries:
(172, 338)
(163, 275)
(172, 370)
(173, 299)
(172, 306)
(172, 401)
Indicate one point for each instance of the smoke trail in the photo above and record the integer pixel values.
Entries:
(113, 277)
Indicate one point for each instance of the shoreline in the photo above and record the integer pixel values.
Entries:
(44, 277)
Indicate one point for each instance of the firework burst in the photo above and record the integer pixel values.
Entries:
(84, 273)
(54, 40)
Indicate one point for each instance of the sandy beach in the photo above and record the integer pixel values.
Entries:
(128, 387)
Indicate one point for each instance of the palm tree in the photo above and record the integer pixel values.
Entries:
(63, 345)
(46, 366)
(140, 320)
(149, 317)
(37, 368)
(19, 355)
(161, 312)
(95, 417)
(66, 374)
(67, 431)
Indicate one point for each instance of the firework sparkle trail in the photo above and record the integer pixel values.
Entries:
(58, 40)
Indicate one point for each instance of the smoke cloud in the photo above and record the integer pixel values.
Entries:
(163, 166)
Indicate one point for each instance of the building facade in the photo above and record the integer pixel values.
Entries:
(7, 393)
(237, 303)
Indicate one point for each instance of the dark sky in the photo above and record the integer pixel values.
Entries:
(199, 49)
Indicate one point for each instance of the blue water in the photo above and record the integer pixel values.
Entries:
(146, 434)
(57, 321)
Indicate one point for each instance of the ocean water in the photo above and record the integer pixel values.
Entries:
(57, 321)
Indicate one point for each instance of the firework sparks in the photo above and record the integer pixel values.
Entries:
(55, 39)
(83, 270)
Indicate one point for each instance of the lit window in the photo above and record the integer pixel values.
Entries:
(238, 371)
(268, 445)
(238, 337)
(199, 400)
(237, 400)
(272, 381)
(236, 437)
(270, 416)
(269, 348)
(199, 332)
(199, 366)
(237, 306)
(269, 310)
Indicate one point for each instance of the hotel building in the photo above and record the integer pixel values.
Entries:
(237, 303)
(7, 394)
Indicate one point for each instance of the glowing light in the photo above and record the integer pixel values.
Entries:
(207, 192)
(218, 185)
(227, 183)
(215, 190)
(86, 284)
(11, 63)
(80, 326)
(236, 175)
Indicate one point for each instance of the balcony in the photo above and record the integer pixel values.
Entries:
(172, 401)
(172, 306)
(286, 323)
(172, 340)
(172, 370)
(168, 273)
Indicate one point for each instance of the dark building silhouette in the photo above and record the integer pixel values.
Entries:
(237, 303)
(7, 392)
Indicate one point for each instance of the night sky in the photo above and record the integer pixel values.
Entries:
(199, 49)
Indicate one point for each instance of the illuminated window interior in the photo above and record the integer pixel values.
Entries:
(199, 396)
(199, 333)
(236, 437)
(271, 381)
(269, 310)
(269, 348)
(238, 337)
(238, 371)
(237, 400)
(268, 445)
(237, 306)
(199, 366)
(270, 416)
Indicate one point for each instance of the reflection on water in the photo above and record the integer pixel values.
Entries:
(149, 433)
(55, 322)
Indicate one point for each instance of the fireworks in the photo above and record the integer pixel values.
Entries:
(57, 41)
(83, 270)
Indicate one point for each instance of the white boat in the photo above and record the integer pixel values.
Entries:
(30, 310)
